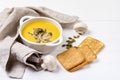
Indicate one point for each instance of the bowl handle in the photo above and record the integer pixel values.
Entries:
(56, 43)
(24, 18)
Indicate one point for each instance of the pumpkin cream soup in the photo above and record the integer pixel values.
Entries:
(40, 31)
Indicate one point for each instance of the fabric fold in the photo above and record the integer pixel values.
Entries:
(60, 17)
(20, 55)
(14, 56)
(23, 53)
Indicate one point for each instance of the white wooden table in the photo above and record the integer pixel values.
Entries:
(103, 20)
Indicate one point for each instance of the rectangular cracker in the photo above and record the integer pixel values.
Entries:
(87, 53)
(94, 44)
(78, 66)
(75, 58)
(70, 58)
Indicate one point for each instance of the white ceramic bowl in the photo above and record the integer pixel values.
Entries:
(45, 48)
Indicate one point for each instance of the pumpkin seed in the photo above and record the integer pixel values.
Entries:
(76, 36)
(63, 45)
(41, 35)
(70, 42)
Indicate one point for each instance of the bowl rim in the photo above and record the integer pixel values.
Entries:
(40, 18)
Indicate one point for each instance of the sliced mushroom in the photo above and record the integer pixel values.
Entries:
(47, 36)
(37, 31)
(41, 35)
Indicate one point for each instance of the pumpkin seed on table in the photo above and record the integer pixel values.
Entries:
(76, 36)
(69, 37)
(63, 45)
(70, 41)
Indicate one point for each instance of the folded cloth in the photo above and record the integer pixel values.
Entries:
(12, 56)
(26, 55)
(20, 55)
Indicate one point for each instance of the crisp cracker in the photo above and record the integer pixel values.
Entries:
(87, 52)
(75, 58)
(94, 44)
(70, 58)
(88, 55)
(78, 66)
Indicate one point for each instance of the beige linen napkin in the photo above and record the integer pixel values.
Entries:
(13, 55)
(20, 55)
